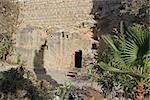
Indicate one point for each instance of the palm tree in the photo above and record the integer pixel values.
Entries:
(131, 55)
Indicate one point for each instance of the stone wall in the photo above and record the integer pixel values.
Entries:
(56, 13)
(63, 24)
(62, 47)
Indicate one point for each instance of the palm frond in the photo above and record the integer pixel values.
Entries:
(136, 44)
(133, 72)
(132, 57)
(109, 41)
(130, 52)
(107, 67)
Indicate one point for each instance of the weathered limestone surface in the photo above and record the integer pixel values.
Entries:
(62, 27)
(61, 50)
(64, 24)
(51, 31)
(56, 13)
(28, 39)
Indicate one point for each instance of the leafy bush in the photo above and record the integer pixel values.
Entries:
(137, 8)
(128, 67)
(5, 45)
(70, 92)
(8, 23)
(14, 85)
(64, 91)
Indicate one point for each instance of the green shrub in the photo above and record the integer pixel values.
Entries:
(8, 23)
(5, 45)
(128, 67)
(14, 85)
(64, 91)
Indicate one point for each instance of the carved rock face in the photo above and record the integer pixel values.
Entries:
(57, 22)
(9, 12)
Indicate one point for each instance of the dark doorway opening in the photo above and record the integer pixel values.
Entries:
(78, 59)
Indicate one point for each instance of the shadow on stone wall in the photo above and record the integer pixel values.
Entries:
(39, 69)
(107, 14)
